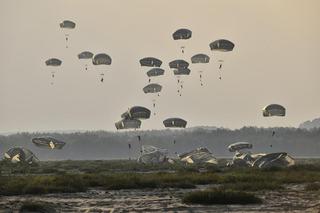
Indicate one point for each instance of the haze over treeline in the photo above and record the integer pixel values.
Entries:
(114, 145)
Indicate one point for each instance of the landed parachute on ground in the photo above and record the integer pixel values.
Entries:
(221, 45)
(101, 59)
(54, 63)
(85, 55)
(200, 59)
(67, 25)
(152, 155)
(150, 62)
(273, 110)
(48, 142)
(182, 35)
(20, 155)
(198, 156)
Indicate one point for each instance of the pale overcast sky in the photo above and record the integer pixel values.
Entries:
(275, 60)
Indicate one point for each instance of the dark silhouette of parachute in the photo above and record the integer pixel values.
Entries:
(178, 64)
(200, 59)
(128, 124)
(53, 62)
(273, 110)
(67, 25)
(182, 34)
(221, 45)
(137, 112)
(175, 123)
(48, 142)
(20, 155)
(150, 62)
(180, 68)
(86, 55)
(101, 59)
(153, 89)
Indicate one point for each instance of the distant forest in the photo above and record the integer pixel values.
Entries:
(114, 145)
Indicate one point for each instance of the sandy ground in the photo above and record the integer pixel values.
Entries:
(293, 199)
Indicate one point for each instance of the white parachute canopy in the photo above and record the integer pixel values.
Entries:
(198, 156)
(152, 154)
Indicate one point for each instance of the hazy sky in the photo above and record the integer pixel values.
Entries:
(275, 60)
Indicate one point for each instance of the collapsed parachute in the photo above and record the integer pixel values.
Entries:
(182, 35)
(48, 142)
(66, 26)
(20, 155)
(198, 156)
(153, 155)
(221, 45)
(86, 55)
(101, 59)
(200, 59)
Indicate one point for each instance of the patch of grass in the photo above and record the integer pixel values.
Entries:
(218, 196)
(36, 207)
(312, 187)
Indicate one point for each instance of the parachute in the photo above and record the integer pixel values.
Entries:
(152, 155)
(85, 56)
(153, 89)
(273, 110)
(137, 112)
(199, 156)
(180, 68)
(67, 25)
(150, 62)
(101, 59)
(221, 45)
(128, 124)
(48, 142)
(154, 72)
(239, 146)
(53, 62)
(175, 123)
(20, 155)
(200, 59)
(182, 34)
(131, 119)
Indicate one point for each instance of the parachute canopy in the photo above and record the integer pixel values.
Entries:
(155, 72)
(182, 34)
(222, 45)
(101, 59)
(200, 58)
(152, 88)
(20, 155)
(175, 122)
(198, 156)
(85, 55)
(280, 159)
(137, 112)
(48, 142)
(151, 154)
(53, 62)
(68, 24)
(182, 71)
(273, 110)
(128, 124)
(239, 145)
(178, 64)
(150, 62)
